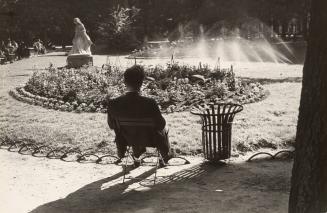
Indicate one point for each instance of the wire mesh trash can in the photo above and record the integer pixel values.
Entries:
(217, 120)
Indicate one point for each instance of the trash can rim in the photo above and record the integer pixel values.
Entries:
(203, 112)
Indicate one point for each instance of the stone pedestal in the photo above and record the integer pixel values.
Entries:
(78, 60)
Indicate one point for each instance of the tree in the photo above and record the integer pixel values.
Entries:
(7, 15)
(118, 29)
(309, 175)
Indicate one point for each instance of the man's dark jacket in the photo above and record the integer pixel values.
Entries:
(133, 105)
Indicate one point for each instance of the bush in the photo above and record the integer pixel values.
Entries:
(117, 29)
(85, 85)
(173, 87)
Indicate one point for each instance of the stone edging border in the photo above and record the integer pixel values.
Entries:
(21, 94)
(30, 147)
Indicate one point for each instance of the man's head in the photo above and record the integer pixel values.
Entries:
(134, 77)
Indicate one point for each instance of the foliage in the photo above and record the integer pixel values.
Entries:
(174, 87)
(86, 85)
(117, 29)
(52, 20)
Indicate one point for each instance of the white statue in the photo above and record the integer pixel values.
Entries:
(81, 42)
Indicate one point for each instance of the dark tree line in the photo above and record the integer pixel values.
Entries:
(52, 20)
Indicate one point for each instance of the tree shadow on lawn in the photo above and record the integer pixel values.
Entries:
(19, 75)
(259, 186)
(273, 81)
(58, 54)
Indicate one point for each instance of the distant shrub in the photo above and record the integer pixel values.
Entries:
(117, 29)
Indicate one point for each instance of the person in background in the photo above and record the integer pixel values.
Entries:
(4, 52)
(37, 45)
(2, 49)
(10, 46)
(15, 45)
(2, 57)
(11, 53)
(2, 46)
(20, 50)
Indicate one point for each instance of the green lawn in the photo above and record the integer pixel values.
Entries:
(270, 123)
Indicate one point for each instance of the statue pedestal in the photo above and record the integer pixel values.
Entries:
(78, 60)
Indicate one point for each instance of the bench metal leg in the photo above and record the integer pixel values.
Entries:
(157, 165)
(127, 155)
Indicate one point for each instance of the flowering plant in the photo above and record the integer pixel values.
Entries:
(174, 87)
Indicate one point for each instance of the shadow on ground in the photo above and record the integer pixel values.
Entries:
(273, 81)
(260, 186)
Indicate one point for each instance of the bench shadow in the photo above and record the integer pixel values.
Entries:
(91, 198)
(252, 187)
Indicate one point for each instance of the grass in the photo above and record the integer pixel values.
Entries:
(270, 123)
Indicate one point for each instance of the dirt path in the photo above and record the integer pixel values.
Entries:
(30, 184)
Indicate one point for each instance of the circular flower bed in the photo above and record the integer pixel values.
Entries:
(175, 87)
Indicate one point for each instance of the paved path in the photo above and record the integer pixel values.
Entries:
(30, 184)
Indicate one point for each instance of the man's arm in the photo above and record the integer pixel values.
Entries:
(110, 121)
(110, 118)
(159, 121)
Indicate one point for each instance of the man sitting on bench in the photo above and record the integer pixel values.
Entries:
(133, 105)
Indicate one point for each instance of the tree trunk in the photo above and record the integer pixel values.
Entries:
(309, 175)
(145, 14)
(284, 28)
